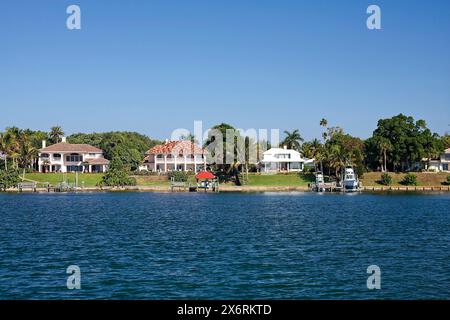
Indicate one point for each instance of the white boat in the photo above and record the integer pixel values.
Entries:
(320, 182)
(319, 185)
(350, 181)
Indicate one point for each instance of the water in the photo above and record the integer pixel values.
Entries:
(224, 246)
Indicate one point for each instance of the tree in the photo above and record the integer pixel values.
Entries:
(13, 134)
(324, 123)
(117, 176)
(128, 147)
(337, 158)
(5, 143)
(410, 141)
(378, 148)
(446, 141)
(314, 150)
(56, 133)
(226, 156)
(27, 152)
(8, 179)
(292, 140)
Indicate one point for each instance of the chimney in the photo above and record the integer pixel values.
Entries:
(285, 147)
(44, 144)
(63, 139)
(167, 141)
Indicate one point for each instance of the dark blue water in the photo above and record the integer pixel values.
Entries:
(224, 246)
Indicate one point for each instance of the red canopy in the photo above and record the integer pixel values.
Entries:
(204, 175)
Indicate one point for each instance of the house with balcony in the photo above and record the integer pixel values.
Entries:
(175, 156)
(283, 160)
(440, 164)
(68, 157)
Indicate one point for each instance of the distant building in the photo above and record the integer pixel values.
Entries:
(440, 164)
(175, 156)
(68, 157)
(283, 160)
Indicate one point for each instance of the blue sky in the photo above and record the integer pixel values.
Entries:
(154, 66)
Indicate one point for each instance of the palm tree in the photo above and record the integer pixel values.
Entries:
(307, 151)
(55, 134)
(12, 146)
(384, 146)
(318, 152)
(293, 139)
(4, 147)
(26, 151)
(324, 123)
(337, 158)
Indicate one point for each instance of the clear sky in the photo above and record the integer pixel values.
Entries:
(153, 66)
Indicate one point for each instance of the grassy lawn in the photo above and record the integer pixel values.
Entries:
(90, 179)
(423, 178)
(160, 181)
(282, 180)
(287, 180)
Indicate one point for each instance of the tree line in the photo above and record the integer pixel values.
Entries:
(397, 144)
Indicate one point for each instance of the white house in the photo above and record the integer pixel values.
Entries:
(282, 159)
(68, 157)
(441, 164)
(175, 156)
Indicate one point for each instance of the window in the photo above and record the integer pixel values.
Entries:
(283, 156)
(45, 155)
(74, 168)
(447, 157)
(296, 165)
(57, 156)
(74, 157)
(159, 156)
(445, 167)
(92, 154)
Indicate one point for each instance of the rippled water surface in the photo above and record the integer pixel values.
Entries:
(224, 246)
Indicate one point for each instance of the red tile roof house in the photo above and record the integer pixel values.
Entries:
(175, 156)
(67, 157)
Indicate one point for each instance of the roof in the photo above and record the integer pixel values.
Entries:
(69, 147)
(176, 147)
(271, 155)
(204, 175)
(280, 151)
(97, 161)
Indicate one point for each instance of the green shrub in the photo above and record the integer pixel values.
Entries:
(386, 179)
(410, 180)
(9, 179)
(117, 176)
(179, 176)
(448, 181)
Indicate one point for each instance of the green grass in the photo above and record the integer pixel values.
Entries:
(142, 181)
(423, 178)
(282, 180)
(90, 179)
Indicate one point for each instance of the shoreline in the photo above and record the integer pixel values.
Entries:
(242, 189)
